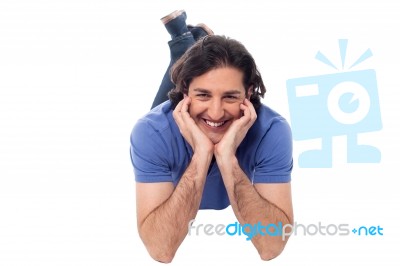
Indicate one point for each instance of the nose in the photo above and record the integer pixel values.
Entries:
(216, 110)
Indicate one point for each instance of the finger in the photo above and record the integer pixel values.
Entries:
(185, 104)
(246, 113)
(177, 113)
(185, 110)
(248, 118)
(179, 106)
(253, 113)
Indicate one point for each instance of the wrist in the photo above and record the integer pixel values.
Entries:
(226, 161)
(203, 158)
(230, 169)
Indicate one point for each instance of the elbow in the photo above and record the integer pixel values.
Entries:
(160, 250)
(272, 251)
(163, 257)
(269, 254)
(275, 247)
(157, 249)
(161, 253)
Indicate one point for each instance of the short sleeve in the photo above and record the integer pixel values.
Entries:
(149, 154)
(274, 158)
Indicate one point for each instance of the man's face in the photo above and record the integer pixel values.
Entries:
(215, 100)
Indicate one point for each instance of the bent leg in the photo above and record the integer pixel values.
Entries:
(178, 47)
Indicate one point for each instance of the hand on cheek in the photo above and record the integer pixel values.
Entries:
(237, 131)
(188, 128)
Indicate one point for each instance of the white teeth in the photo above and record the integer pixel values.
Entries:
(214, 124)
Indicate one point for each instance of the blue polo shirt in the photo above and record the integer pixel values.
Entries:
(159, 153)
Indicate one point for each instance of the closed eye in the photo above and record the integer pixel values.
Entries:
(231, 97)
(202, 95)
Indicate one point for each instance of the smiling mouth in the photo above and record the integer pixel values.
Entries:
(212, 124)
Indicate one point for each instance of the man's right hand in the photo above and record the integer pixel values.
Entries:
(189, 130)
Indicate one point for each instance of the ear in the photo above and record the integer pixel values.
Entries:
(249, 92)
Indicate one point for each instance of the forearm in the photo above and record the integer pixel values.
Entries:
(251, 208)
(164, 229)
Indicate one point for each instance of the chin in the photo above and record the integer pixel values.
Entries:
(215, 139)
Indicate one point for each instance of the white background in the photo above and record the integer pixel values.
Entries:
(76, 75)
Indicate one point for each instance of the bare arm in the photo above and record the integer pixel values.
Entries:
(264, 203)
(164, 212)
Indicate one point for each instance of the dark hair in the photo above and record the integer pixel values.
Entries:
(210, 53)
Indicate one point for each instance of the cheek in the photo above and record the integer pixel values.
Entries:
(195, 108)
(235, 110)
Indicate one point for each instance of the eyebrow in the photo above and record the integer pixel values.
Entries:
(230, 92)
(201, 90)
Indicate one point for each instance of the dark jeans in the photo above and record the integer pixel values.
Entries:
(178, 47)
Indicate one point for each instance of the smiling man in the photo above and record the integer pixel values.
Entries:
(216, 97)
(213, 144)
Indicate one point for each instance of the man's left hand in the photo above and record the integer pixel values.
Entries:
(237, 131)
